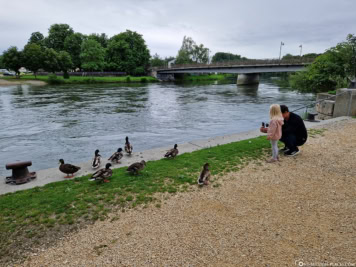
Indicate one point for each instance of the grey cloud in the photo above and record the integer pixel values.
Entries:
(252, 28)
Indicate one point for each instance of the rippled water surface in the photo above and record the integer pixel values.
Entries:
(46, 123)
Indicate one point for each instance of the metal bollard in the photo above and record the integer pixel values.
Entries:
(20, 173)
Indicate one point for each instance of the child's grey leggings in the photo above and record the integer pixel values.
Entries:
(274, 144)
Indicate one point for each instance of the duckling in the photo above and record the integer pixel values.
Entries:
(102, 174)
(68, 168)
(136, 167)
(96, 160)
(204, 175)
(172, 152)
(128, 146)
(117, 156)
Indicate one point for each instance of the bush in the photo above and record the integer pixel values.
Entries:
(65, 75)
(143, 80)
(128, 79)
(53, 79)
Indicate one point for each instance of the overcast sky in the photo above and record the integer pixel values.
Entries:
(251, 28)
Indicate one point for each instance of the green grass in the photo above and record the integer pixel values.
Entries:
(30, 214)
(86, 80)
(332, 92)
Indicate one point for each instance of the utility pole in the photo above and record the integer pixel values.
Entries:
(280, 51)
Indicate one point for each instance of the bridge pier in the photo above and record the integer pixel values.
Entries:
(248, 78)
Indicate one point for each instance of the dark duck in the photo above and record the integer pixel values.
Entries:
(68, 168)
(96, 160)
(128, 146)
(136, 167)
(102, 174)
(204, 175)
(172, 152)
(116, 156)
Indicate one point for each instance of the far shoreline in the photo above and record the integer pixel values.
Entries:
(6, 82)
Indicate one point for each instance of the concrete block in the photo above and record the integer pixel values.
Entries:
(322, 96)
(345, 103)
(326, 107)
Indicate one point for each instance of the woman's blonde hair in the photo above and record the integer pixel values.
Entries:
(275, 112)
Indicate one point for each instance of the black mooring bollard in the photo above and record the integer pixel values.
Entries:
(20, 173)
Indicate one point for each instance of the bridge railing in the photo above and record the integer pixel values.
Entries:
(248, 62)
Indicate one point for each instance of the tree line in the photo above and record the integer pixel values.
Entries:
(63, 50)
(330, 70)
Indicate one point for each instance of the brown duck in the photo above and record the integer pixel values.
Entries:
(68, 169)
(128, 146)
(172, 152)
(136, 167)
(204, 175)
(102, 174)
(116, 156)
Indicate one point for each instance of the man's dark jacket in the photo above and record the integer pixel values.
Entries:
(295, 125)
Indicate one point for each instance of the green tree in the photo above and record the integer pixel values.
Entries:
(157, 61)
(64, 63)
(92, 55)
(33, 57)
(223, 57)
(13, 59)
(200, 54)
(128, 52)
(328, 71)
(100, 38)
(2, 65)
(190, 52)
(36, 38)
(73, 44)
(57, 34)
(51, 60)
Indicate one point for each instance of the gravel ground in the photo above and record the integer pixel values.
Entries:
(300, 209)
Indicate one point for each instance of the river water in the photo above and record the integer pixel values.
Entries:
(46, 123)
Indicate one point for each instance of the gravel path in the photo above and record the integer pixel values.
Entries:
(302, 208)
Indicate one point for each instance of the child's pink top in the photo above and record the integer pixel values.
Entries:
(275, 130)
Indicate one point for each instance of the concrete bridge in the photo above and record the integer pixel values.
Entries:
(248, 71)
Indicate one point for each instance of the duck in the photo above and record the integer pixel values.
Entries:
(68, 168)
(96, 160)
(102, 174)
(172, 152)
(136, 167)
(204, 175)
(128, 146)
(117, 156)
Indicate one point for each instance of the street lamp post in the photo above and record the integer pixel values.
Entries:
(280, 50)
(301, 47)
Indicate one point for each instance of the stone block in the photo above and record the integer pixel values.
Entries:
(345, 103)
(326, 107)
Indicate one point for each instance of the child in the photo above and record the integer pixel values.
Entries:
(274, 132)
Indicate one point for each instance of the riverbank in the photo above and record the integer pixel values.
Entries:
(50, 79)
(298, 210)
(8, 82)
